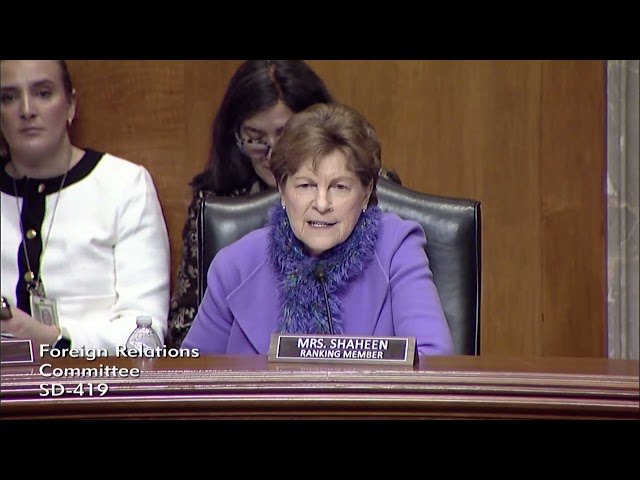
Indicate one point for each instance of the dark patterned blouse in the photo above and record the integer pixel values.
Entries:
(184, 302)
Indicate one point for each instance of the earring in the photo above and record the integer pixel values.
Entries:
(284, 207)
(364, 210)
(69, 122)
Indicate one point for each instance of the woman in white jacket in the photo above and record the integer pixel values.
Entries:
(84, 238)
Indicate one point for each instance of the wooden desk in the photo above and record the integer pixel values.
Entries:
(250, 387)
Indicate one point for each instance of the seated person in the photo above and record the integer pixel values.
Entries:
(260, 98)
(85, 247)
(375, 269)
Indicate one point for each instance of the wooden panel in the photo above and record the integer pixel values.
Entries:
(467, 128)
(573, 193)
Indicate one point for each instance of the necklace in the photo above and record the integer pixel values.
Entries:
(35, 284)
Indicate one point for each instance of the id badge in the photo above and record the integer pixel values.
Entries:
(44, 310)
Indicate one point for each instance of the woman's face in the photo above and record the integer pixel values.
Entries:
(35, 109)
(324, 205)
(263, 130)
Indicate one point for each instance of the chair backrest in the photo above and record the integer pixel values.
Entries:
(452, 227)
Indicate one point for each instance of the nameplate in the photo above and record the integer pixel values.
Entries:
(342, 349)
(15, 352)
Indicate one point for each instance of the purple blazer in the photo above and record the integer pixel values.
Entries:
(394, 296)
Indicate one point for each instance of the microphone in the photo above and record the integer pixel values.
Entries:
(320, 276)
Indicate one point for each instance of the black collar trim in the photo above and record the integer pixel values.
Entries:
(79, 172)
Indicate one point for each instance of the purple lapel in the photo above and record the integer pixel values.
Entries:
(363, 303)
(255, 307)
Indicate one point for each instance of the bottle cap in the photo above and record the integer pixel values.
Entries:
(144, 320)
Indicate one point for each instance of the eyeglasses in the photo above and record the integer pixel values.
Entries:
(253, 147)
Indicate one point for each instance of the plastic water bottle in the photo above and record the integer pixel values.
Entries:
(144, 338)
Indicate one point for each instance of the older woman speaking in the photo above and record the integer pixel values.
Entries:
(325, 235)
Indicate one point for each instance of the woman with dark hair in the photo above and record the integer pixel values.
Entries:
(261, 96)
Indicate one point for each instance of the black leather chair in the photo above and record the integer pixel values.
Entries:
(452, 227)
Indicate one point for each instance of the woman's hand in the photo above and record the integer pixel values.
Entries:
(23, 325)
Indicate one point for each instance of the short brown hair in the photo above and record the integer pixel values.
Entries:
(322, 129)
